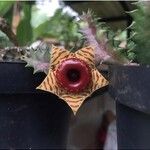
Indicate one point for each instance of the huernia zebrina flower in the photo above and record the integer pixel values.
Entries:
(72, 76)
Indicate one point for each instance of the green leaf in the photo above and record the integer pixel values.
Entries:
(5, 6)
(62, 27)
(131, 55)
(4, 41)
(24, 30)
(51, 27)
(141, 27)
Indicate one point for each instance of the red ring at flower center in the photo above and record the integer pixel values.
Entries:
(73, 75)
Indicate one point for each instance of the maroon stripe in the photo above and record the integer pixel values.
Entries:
(87, 52)
(59, 54)
(54, 52)
(86, 57)
(75, 106)
(48, 81)
(44, 85)
(103, 81)
(70, 101)
(52, 79)
(97, 77)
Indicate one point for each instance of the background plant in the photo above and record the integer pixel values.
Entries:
(21, 40)
(141, 31)
(31, 41)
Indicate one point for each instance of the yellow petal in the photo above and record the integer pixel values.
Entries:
(49, 84)
(86, 54)
(98, 80)
(73, 100)
(57, 54)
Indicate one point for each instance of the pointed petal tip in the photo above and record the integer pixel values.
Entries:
(107, 82)
(74, 112)
(38, 87)
(91, 46)
(53, 46)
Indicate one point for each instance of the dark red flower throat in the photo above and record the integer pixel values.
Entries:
(73, 75)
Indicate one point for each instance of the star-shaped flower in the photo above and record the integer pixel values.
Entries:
(73, 76)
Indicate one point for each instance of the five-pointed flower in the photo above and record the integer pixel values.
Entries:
(72, 76)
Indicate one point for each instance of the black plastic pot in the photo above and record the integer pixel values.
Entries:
(30, 118)
(130, 87)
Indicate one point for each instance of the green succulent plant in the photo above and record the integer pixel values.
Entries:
(141, 30)
(37, 57)
(109, 47)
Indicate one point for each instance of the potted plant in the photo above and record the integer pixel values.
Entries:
(19, 93)
(129, 81)
(30, 118)
(111, 48)
(129, 86)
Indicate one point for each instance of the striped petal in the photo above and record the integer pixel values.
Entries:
(50, 83)
(57, 54)
(98, 80)
(86, 54)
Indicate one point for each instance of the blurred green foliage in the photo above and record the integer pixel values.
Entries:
(64, 29)
(61, 26)
(141, 30)
(4, 40)
(5, 6)
(24, 29)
